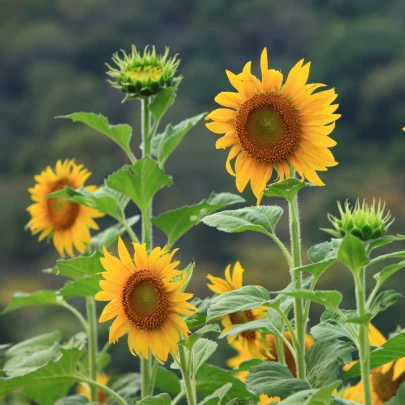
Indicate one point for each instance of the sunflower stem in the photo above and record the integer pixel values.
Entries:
(77, 314)
(153, 377)
(146, 364)
(92, 344)
(300, 321)
(363, 343)
(188, 381)
(107, 390)
(280, 349)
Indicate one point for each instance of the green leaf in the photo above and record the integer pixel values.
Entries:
(352, 253)
(198, 319)
(78, 267)
(392, 349)
(258, 219)
(388, 271)
(53, 369)
(200, 333)
(332, 326)
(189, 273)
(75, 400)
(388, 256)
(274, 379)
(216, 397)
(287, 189)
(121, 134)
(384, 300)
(167, 381)
(324, 251)
(104, 199)
(341, 401)
(323, 359)
(108, 236)
(177, 222)
(330, 299)
(318, 268)
(127, 386)
(210, 378)
(162, 102)
(164, 144)
(312, 397)
(242, 401)
(161, 399)
(361, 320)
(23, 300)
(140, 181)
(248, 297)
(202, 350)
(259, 325)
(83, 287)
(384, 240)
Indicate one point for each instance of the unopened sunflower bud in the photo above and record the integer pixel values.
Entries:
(363, 220)
(143, 75)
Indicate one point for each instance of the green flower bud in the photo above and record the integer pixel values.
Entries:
(141, 76)
(363, 220)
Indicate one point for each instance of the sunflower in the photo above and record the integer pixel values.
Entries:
(83, 389)
(270, 125)
(251, 339)
(67, 222)
(385, 380)
(146, 300)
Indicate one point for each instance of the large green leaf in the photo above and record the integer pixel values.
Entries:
(384, 240)
(383, 301)
(332, 326)
(23, 300)
(388, 271)
(161, 399)
(200, 333)
(162, 102)
(323, 359)
(140, 181)
(104, 199)
(210, 378)
(53, 369)
(248, 297)
(202, 350)
(108, 236)
(352, 253)
(320, 396)
(75, 400)
(259, 219)
(392, 349)
(82, 287)
(324, 251)
(78, 267)
(392, 255)
(167, 381)
(287, 188)
(274, 379)
(121, 134)
(330, 299)
(177, 222)
(127, 386)
(216, 397)
(317, 269)
(164, 144)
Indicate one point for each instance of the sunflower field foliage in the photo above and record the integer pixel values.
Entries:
(277, 131)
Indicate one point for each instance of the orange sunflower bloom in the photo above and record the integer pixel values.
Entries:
(145, 298)
(250, 339)
(385, 380)
(268, 124)
(67, 222)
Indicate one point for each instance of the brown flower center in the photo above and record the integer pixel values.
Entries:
(144, 300)
(383, 384)
(241, 317)
(268, 127)
(62, 213)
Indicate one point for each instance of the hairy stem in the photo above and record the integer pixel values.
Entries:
(300, 321)
(188, 382)
(363, 343)
(92, 343)
(280, 349)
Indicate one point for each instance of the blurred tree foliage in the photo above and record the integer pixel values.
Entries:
(52, 63)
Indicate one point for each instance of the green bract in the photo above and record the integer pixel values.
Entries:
(143, 75)
(363, 220)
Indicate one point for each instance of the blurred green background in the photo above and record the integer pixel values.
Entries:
(52, 63)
